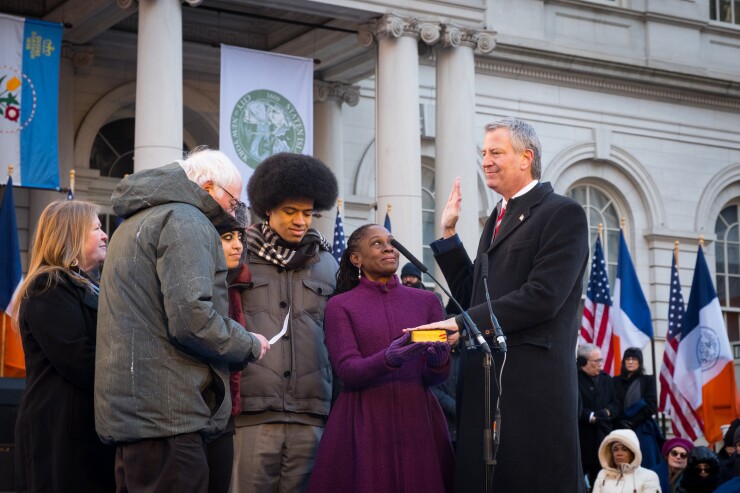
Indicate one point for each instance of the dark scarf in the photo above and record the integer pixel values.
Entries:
(266, 244)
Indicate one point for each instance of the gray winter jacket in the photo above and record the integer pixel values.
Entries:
(164, 340)
(295, 375)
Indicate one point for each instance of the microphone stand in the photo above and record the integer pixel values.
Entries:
(492, 431)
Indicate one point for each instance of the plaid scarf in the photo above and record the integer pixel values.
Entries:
(268, 245)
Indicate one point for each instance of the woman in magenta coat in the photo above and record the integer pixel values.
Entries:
(386, 431)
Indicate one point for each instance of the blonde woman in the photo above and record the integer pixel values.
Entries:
(57, 448)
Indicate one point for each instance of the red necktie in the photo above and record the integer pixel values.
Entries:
(499, 219)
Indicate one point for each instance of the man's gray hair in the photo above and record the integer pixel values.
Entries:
(523, 137)
(585, 349)
(203, 164)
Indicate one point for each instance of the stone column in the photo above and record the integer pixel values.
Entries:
(457, 137)
(328, 140)
(398, 146)
(159, 106)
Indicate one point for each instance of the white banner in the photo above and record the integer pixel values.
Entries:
(266, 106)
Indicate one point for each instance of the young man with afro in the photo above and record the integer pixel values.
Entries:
(286, 396)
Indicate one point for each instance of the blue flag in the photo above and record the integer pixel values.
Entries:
(11, 272)
(29, 93)
(339, 244)
(387, 222)
(633, 325)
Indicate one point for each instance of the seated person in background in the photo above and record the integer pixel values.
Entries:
(386, 431)
(676, 452)
(702, 472)
(727, 453)
(730, 467)
(620, 458)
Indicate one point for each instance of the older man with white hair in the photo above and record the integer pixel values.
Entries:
(165, 342)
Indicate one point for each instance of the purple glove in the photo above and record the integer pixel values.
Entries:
(400, 351)
(438, 354)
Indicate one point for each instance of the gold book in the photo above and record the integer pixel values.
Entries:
(429, 335)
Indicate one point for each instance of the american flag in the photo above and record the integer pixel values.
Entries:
(684, 420)
(596, 327)
(339, 244)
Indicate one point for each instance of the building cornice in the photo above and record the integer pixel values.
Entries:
(614, 77)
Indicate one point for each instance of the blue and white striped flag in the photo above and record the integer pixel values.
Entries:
(29, 92)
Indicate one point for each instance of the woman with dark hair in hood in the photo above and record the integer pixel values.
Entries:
(620, 457)
(638, 401)
(702, 472)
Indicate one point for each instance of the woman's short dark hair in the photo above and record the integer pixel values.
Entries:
(287, 176)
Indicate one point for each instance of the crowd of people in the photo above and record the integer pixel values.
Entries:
(214, 355)
(622, 445)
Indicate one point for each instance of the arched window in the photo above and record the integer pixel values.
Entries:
(113, 150)
(727, 254)
(600, 209)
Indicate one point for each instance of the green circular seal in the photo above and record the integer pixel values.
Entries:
(264, 123)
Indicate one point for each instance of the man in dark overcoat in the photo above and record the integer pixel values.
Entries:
(598, 407)
(536, 261)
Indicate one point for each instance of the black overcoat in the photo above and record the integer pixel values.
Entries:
(535, 274)
(597, 394)
(57, 447)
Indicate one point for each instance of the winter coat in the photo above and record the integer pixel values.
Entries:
(295, 375)
(386, 432)
(535, 275)
(56, 445)
(629, 478)
(164, 338)
(597, 397)
(692, 481)
(445, 394)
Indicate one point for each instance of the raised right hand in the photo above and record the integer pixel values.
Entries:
(451, 212)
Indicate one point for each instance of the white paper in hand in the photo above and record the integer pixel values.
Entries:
(283, 331)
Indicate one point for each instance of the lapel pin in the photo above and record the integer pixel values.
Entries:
(521, 218)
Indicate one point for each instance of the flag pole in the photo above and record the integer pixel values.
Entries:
(72, 174)
(601, 229)
(339, 204)
(2, 345)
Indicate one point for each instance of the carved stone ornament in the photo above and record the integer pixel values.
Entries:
(430, 33)
(324, 91)
(393, 26)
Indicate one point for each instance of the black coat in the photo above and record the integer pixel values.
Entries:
(535, 277)
(57, 447)
(597, 396)
(647, 392)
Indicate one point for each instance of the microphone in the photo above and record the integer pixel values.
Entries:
(469, 324)
(500, 339)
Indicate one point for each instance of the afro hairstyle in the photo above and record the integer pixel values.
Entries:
(286, 176)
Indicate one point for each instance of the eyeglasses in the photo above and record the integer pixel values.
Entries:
(234, 203)
(703, 470)
(598, 360)
(681, 455)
